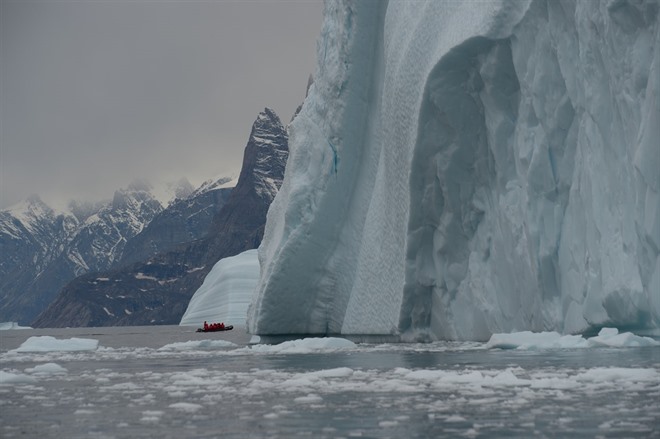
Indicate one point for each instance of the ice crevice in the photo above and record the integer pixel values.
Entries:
(493, 167)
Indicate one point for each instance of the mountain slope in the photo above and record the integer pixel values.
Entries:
(31, 236)
(41, 250)
(183, 221)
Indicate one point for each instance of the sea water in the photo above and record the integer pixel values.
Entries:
(171, 382)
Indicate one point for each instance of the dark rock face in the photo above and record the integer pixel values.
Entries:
(101, 241)
(42, 250)
(185, 220)
(31, 236)
(157, 291)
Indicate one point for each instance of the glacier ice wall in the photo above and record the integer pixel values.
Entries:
(465, 168)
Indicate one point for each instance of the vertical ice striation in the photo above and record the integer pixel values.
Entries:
(464, 168)
(317, 216)
(225, 294)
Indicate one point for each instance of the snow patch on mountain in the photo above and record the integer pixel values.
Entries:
(269, 138)
(42, 248)
(217, 182)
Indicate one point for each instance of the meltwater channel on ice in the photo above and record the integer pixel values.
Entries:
(480, 176)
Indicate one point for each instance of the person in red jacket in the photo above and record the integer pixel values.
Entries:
(206, 326)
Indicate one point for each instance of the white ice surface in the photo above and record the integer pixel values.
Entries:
(460, 169)
(51, 344)
(46, 369)
(226, 292)
(8, 378)
(609, 337)
(198, 345)
(536, 340)
(306, 345)
(4, 326)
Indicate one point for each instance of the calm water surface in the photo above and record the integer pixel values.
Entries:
(130, 387)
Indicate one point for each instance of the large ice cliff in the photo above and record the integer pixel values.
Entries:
(465, 168)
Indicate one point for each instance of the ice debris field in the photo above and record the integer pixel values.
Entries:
(324, 384)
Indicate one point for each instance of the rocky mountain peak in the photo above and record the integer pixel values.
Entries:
(265, 155)
(266, 127)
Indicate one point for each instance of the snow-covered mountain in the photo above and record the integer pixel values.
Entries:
(41, 249)
(102, 237)
(156, 290)
(266, 156)
(465, 168)
(185, 219)
(32, 236)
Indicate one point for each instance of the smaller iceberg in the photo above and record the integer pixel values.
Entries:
(527, 340)
(226, 292)
(5, 326)
(610, 337)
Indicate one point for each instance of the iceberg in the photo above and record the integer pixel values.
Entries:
(461, 169)
(226, 292)
(610, 337)
(5, 326)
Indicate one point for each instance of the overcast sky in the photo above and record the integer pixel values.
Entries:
(95, 93)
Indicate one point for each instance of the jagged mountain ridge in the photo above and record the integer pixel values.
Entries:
(42, 249)
(157, 290)
(185, 220)
(31, 236)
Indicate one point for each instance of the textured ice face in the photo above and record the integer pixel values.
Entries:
(226, 292)
(462, 169)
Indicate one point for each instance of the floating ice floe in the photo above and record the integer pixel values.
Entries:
(553, 340)
(187, 407)
(198, 345)
(305, 345)
(611, 337)
(15, 378)
(51, 344)
(47, 369)
(4, 326)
